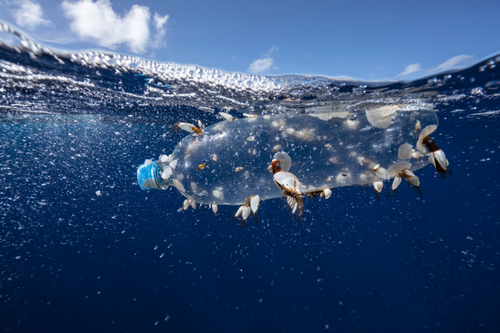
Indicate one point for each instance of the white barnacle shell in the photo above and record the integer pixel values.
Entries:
(238, 213)
(306, 134)
(218, 194)
(227, 116)
(416, 154)
(214, 207)
(388, 111)
(431, 159)
(396, 182)
(254, 203)
(363, 177)
(245, 212)
(186, 203)
(411, 178)
(382, 174)
(285, 160)
(288, 181)
(404, 151)
(178, 185)
(343, 177)
(408, 173)
(397, 168)
(413, 181)
(163, 159)
(425, 133)
(334, 160)
(173, 164)
(361, 160)
(378, 186)
(381, 117)
(440, 158)
(418, 126)
(167, 173)
(326, 193)
(189, 128)
(352, 124)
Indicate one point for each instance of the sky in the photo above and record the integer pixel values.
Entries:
(361, 39)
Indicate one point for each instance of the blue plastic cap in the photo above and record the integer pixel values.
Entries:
(147, 176)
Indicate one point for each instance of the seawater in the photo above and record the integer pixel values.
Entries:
(74, 123)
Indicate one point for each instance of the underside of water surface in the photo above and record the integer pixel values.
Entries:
(35, 78)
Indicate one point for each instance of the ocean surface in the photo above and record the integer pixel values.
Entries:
(73, 124)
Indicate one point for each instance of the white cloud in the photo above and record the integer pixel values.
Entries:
(29, 15)
(274, 49)
(265, 63)
(160, 21)
(98, 22)
(410, 69)
(462, 60)
(260, 65)
(159, 40)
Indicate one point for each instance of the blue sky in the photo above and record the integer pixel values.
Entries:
(359, 39)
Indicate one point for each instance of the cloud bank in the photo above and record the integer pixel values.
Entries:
(265, 63)
(29, 15)
(97, 22)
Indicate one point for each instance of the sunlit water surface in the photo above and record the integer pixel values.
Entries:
(72, 124)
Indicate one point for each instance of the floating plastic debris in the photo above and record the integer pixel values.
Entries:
(317, 154)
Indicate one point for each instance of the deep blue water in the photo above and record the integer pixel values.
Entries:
(127, 261)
